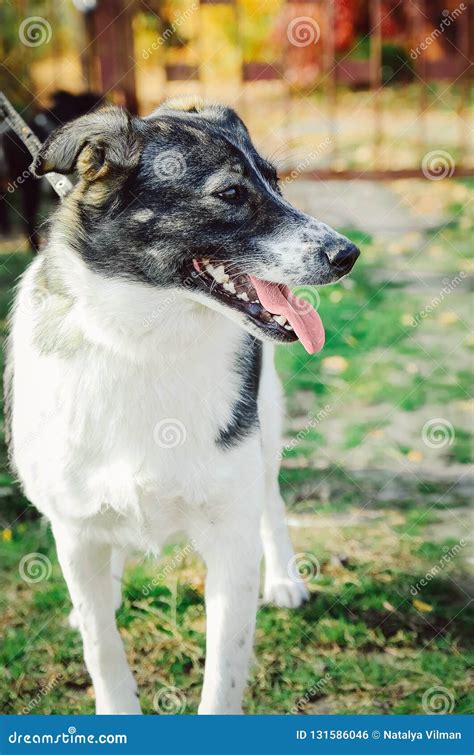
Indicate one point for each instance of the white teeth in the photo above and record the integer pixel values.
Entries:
(219, 274)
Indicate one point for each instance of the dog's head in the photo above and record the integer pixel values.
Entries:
(182, 200)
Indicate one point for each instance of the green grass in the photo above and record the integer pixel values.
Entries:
(463, 445)
(361, 628)
(378, 515)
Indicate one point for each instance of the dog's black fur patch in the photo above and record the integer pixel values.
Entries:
(244, 421)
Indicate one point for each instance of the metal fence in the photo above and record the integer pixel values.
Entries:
(313, 68)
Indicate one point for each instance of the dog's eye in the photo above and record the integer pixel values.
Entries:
(234, 194)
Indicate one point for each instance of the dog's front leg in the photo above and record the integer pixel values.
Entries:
(232, 555)
(87, 570)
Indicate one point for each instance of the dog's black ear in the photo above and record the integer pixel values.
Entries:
(94, 144)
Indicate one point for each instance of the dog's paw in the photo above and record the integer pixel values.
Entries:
(285, 593)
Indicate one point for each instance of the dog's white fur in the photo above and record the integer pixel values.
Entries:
(105, 372)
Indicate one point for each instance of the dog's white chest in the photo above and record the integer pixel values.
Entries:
(153, 431)
(99, 435)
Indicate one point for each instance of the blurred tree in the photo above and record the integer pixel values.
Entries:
(346, 13)
(304, 31)
(16, 78)
(39, 44)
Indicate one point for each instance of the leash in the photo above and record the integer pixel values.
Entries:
(8, 115)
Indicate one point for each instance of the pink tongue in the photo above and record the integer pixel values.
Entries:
(305, 321)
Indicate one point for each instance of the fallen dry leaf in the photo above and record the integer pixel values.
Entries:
(335, 364)
(421, 606)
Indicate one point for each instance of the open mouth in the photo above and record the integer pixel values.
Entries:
(270, 306)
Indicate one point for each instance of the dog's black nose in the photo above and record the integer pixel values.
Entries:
(346, 257)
